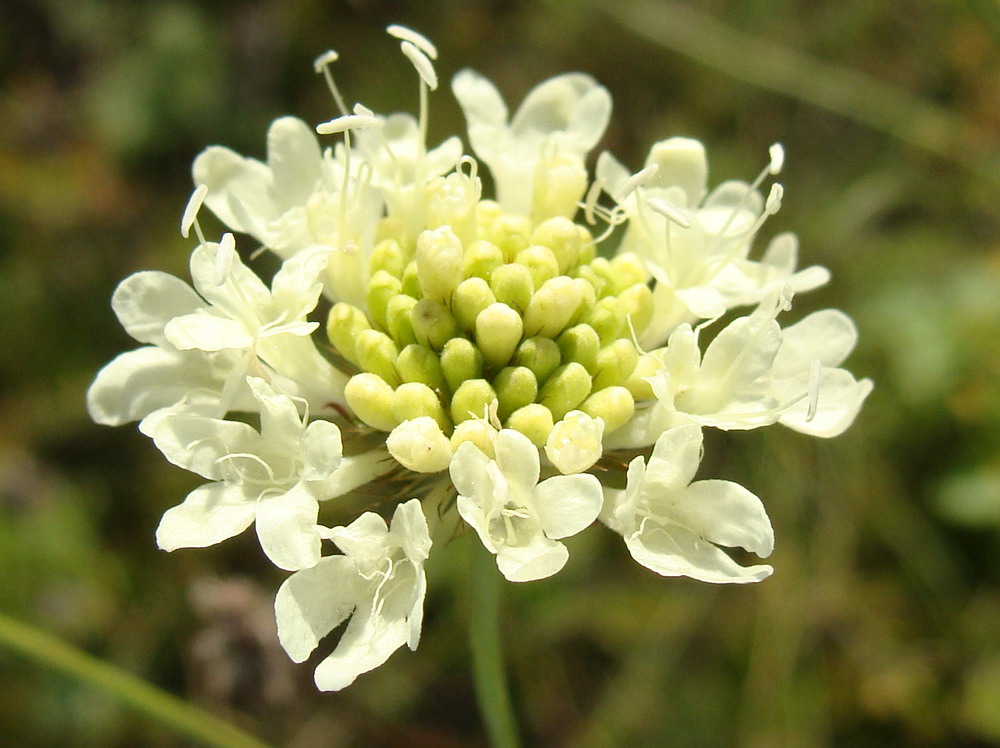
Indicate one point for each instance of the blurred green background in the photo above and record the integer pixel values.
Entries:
(880, 624)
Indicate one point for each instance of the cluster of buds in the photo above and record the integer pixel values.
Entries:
(487, 357)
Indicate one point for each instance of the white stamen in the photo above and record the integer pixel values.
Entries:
(191, 210)
(773, 203)
(362, 111)
(347, 122)
(777, 154)
(814, 372)
(590, 202)
(420, 41)
(224, 258)
(669, 211)
(325, 59)
(636, 180)
(425, 69)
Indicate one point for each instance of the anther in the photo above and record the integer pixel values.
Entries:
(224, 259)
(190, 217)
(422, 63)
(418, 40)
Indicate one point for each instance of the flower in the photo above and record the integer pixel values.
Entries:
(497, 357)
(378, 582)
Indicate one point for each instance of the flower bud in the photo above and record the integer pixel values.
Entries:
(636, 384)
(342, 327)
(471, 297)
(627, 269)
(471, 400)
(377, 353)
(541, 263)
(420, 445)
(460, 361)
(382, 286)
(411, 280)
(498, 331)
(414, 400)
(452, 201)
(608, 320)
(574, 444)
(568, 386)
(398, 319)
(534, 421)
(481, 259)
(615, 363)
(512, 285)
(433, 324)
(588, 300)
(516, 387)
(613, 405)
(477, 431)
(388, 256)
(511, 233)
(636, 303)
(540, 355)
(552, 306)
(370, 398)
(580, 343)
(487, 211)
(418, 363)
(559, 183)
(439, 262)
(561, 236)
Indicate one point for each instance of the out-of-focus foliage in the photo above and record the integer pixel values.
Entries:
(879, 625)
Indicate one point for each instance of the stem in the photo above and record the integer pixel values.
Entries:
(492, 692)
(131, 690)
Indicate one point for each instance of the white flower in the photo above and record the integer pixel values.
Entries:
(574, 444)
(517, 518)
(275, 476)
(536, 160)
(379, 582)
(674, 527)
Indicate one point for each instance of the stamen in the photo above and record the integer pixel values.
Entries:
(422, 63)
(190, 216)
(777, 154)
(322, 65)
(590, 202)
(347, 122)
(669, 211)
(636, 180)
(416, 39)
(814, 373)
(224, 259)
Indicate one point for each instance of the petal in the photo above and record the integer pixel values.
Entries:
(280, 424)
(204, 331)
(726, 514)
(294, 155)
(840, 399)
(286, 527)
(313, 602)
(145, 302)
(241, 295)
(540, 559)
(206, 446)
(365, 539)
(567, 504)
(210, 514)
(517, 459)
(673, 551)
(296, 287)
(675, 459)
(321, 451)
(468, 472)
(827, 336)
(681, 162)
(484, 109)
(472, 512)
(409, 531)
(230, 179)
(573, 104)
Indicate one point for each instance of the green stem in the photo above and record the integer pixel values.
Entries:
(129, 689)
(492, 691)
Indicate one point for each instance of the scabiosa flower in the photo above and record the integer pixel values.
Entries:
(453, 352)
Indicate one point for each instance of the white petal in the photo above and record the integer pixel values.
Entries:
(313, 602)
(206, 446)
(145, 302)
(471, 510)
(409, 531)
(567, 504)
(321, 451)
(840, 400)
(280, 424)
(210, 514)
(726, 514)
(827, 336)
(681, 162)
(296, 286)
(537, 560)
(673, 551)
(286, 527)
(252, 297)
(675, 458)
(367, 643)
(572, 103)
(294, 155)
(231, 178)
(517, 459)
(207, 332)
(484, 110)
(365, 539)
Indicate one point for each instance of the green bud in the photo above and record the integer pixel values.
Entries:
(512, 285)
(371, 398)
(636, 384)
(561, 236)
(587, 302)
(471, 400)
(588, 247)
(580, 343)
(411, 280)
(439, 262)
(534, 421)
(552, 306)
(460, 361)
(600, 285)
(418, 363)
(377, 353)
(433, 324)
(540, 262)
(608, 319)
(627, 269)
(558, 185)
(415, 399)
(478, 432)
(568, 386)
(481, 259)
(511, 233)
(636, 302)
(601, 269)
(394, 227)
(615, 363)
(498, 332)
(342, 326)
(452, 201)
(471, 297)
(516, 387)
(388, 256)
(487, 211)
(613, 404)
(382, 286)
(540, 355)
(398, 320)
